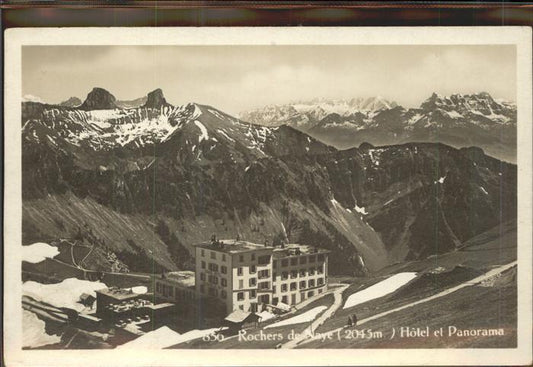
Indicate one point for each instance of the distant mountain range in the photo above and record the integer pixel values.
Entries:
(458, 120)
(149, 182)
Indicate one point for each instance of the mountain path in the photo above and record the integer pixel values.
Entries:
(337, 303)
(304, 339)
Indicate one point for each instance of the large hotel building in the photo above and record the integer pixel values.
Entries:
(246, 276)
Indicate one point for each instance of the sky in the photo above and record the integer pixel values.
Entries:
(239, 78)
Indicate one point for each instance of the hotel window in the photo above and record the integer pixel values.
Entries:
(213, 255)
(263, 285)
(302, 272)
(215, 280)
(202, 252)
(284, 275)
(294, 274)
(293, 286)
(223, 269)
(311, 271)
(321, 257)
(275, 264)
(320, 269)
(239, 271)
(213, 267)
(202, 276)
(311, 283)
(312, 258)
(253, 294)
(303, 260)
(284, 262)
(241, 258)
(263, 260)
(223, 294)
(252, 282)
(263, 274)
(320, 281)
(252, 269)
(203, 264)
(274, 289)
(294, 261)
(223, 282)
(302, 284)
(241, 284)
(223, 257)
(284, 288)
(240, 296)
(253, 257)
(284, 299)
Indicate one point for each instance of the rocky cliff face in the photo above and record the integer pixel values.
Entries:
(209, 173)
(155, 99)
(99, 99)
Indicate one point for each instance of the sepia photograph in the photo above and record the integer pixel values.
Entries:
(282, 194)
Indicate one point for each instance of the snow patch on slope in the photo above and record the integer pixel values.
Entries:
(380, 289)
(64, 294)
(38, 252)
(205, 135)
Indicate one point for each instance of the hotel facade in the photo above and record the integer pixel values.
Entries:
(247, 276)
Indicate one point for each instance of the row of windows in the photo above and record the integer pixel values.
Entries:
(170, 291)
(262, 260)
(213, 255)
(213, 279)
(302, 285)
(213, 292)
(214, 267)
(303, 260)
(302, 273)
(285, 298)
(251, 294)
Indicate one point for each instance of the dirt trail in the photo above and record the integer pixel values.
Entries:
(337, 303)
(471, 282)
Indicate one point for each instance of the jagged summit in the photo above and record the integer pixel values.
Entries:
(99, 99)
(71, 102)
(156, 99)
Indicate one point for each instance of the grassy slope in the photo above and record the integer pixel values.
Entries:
(469, 308)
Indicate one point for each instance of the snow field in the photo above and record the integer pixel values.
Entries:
(64, 294)
(38, 252)
(380, 289)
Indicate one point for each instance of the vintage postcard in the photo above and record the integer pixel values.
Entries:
(269, 196)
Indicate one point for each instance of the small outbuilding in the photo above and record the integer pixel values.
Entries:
(240, 319)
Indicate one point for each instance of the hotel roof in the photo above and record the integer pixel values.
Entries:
(234, 246)
(294, 249)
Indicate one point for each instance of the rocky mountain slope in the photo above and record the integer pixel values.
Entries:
(458, 120)
(150, 182)
(71, 102)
